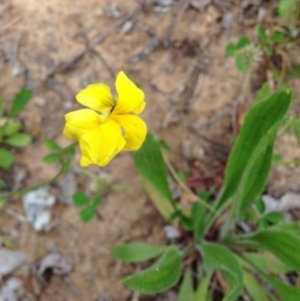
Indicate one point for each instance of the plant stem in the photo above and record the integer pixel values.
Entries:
(63, 168)
(36, 186)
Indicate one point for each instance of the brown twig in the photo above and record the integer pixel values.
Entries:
(5, 7)
(64, 66)
(182, 4)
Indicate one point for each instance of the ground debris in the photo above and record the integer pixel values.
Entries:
(38, 206)
(9, 260)
(56, 264)
(9, 292)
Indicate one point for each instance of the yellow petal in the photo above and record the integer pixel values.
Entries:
(97, 97)
(100, 145)
(135, 130)
(79, 122)
(130, 97)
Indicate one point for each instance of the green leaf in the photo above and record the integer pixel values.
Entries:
(159, 277)
(284, 6)
(263, 224)
(51, 158)
(204, 195)
(269, 50)
(137, 251)
(253, 287)
(18, 140)
(250, 160)
(260, 205)
(261, 33)
(80, 199)
(267, 262)
(230, 49)
(244, 41)
(296, 127)
(150, 163)
(199, 221)
(20, 101)
(87, 213)
(12, 127)
(217, 257)
(264, 93)
(1, 106)
(283, 244)
(52, 145)
(293, 72)
(276, 37)
(286, 292)
(293, 227)
(6, 158)
(186, 290)
(97, 201)
(203, 288)
(274, 217)
(241, 65)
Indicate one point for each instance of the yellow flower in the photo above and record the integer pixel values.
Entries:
(107, 126)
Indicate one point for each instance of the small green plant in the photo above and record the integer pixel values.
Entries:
(268, 251)
(89, 207)
(11, 135)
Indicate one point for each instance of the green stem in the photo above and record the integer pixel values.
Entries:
(36, 186)
(63, 168)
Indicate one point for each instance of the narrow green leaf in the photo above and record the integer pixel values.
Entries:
(274, 217)
(18, 140)
(203, 288)
(51, 158)
(230, 49)
(199, 221)
(241, 65)
(12, 127)
(217, 257)
(269, 50)
(20, 101)
(283, 244)
(251, 157)
(296, 127)
(261, 33)
(1, 106)
(276, 37)
(260, 205)
(97, 201)
(159, 277)
(6, 158)
(52, 145)
(286, 292)
(150, 163)
(137, 251)
(284, 6)
(80, 199)
(264, 93)
(267, 262)
(293, 227)
(87, 213)
(253, 287)
(244, 41)
(293, 72)
(263, 224)
(186, 290)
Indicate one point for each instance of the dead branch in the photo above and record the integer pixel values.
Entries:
(65, 66)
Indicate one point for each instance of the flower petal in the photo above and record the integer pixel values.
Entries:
(97, 97)
(100, 145)
(135, 130)
(79, 122)
(130, 97)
